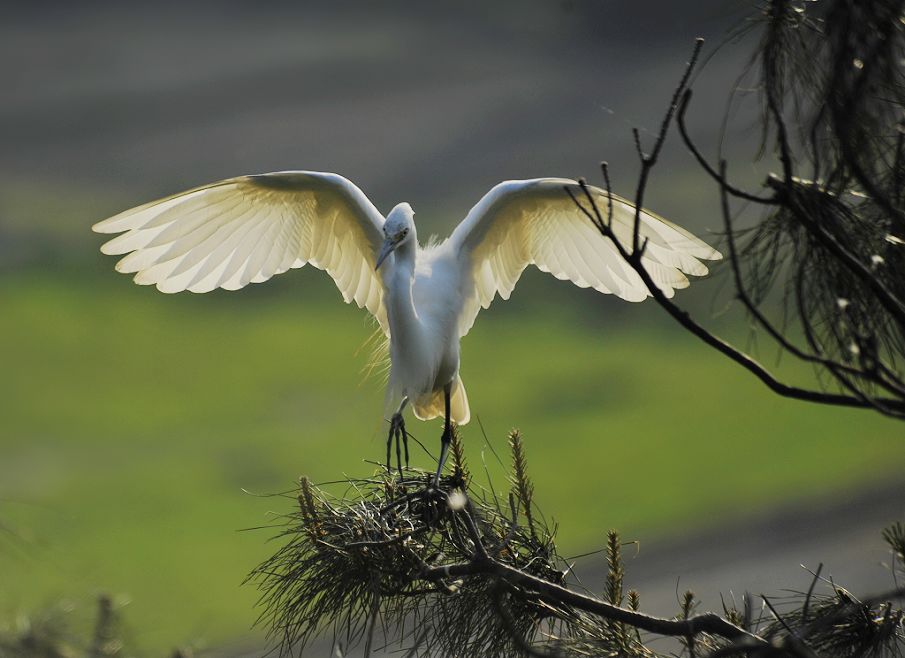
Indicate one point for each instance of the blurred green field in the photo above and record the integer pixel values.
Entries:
(132, 422)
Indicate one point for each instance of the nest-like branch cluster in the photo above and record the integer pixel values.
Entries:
(392, 562)
(375, 561)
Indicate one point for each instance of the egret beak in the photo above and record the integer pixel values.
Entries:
(385, 250)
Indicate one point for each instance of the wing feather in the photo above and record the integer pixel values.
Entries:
(217, 254)
(248, 229)
(534, 222)
(277, 253)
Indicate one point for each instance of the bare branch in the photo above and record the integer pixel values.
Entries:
(718, 177)
(649, 161)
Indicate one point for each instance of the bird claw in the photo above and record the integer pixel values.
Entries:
(397, 432)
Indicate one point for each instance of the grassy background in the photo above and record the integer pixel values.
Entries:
(131, 422)
(136, 420)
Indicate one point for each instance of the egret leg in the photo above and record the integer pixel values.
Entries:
(447, 435)
(397, 432)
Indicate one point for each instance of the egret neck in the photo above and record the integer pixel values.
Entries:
(398, 281)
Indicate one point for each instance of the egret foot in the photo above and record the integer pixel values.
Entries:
(397, 432)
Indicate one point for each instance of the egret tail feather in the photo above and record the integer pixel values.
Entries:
(432, 405)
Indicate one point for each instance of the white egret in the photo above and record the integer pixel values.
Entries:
(425, 298)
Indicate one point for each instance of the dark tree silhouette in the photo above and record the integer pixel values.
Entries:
(831, 240)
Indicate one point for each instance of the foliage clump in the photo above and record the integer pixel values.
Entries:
(57, 633)
(829, 249)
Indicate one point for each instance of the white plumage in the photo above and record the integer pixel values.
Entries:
(248, 229)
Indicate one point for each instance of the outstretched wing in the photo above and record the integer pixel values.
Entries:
(247, 229)
(534, 222)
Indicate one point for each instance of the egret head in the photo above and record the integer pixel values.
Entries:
(398, 229)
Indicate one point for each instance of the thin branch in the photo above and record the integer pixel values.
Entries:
(807, 598)
(885, 296)
(550, 592)
(743, 296)
(648, 161)
(718, 177)
(834, 367)
(796, 642)
(777, 9)
(684, 319)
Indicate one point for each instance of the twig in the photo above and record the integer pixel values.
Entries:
(807, 598)
(719, 177)
(648, 161)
